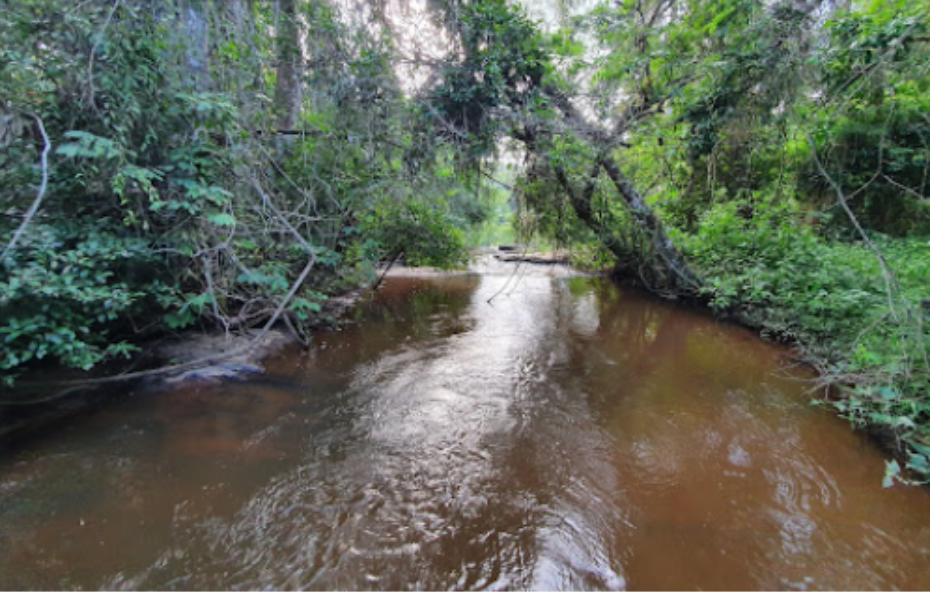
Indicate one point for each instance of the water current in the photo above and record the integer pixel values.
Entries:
(568, 435)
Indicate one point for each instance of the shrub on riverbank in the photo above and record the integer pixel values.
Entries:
(863, 324)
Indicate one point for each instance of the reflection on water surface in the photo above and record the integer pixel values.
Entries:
(568, 436)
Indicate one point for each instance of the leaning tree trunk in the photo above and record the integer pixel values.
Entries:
(675, 273)
(603, 225)
(679, 275)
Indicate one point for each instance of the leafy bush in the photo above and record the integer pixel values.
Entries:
(419, 229)
(62, 290)
(782, 276)
(171, 195)
(832, 298)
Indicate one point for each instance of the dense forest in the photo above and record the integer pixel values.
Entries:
(229, 165)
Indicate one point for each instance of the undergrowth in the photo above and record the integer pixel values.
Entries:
(863, 326)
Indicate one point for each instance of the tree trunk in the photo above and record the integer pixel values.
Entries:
(680, 275)
(602, 225)
(287, 92)
(677, 274)
(195, 30)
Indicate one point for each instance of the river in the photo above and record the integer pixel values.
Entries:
(568, 435)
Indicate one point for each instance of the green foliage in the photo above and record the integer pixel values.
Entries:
(133, 162)
(64, 288)
(780, 275)
(502, 65)
(874, 134)
(493, 223)
(169, 201)
(832, 298)
(420, 230)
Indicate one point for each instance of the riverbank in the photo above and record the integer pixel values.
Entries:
(206, 358)
(36, 403)
(857, 316)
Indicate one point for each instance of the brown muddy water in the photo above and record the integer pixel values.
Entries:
(571, 435)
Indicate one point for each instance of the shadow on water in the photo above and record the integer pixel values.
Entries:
(568, 436)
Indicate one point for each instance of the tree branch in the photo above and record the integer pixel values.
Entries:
(42, 189)
(891, 280)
